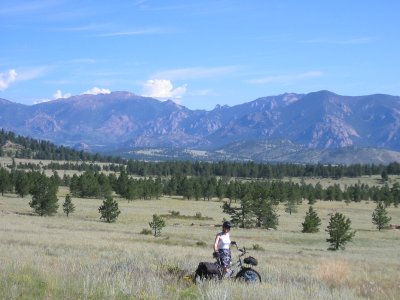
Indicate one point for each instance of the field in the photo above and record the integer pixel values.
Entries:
(80, 257)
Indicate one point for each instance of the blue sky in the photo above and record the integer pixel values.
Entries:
(199, 53)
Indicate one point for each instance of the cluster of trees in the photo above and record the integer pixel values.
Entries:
(256, 170)
(339, 228)
(24, 182)
(95, 184)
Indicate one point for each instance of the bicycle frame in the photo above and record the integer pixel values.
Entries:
(236, 265)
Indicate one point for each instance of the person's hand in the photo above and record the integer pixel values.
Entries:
(215, 254)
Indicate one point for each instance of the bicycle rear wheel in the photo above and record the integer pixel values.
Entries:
(248, 275)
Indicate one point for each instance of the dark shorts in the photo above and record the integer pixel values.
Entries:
(225, 257)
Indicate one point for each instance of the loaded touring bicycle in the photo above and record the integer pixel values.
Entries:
(241, 270)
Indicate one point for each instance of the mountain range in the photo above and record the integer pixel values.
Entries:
(319, 123)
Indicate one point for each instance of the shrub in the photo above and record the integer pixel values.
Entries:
(146, 231)
(257, 247)
(174, 213)
(201, 243)
(157, 224)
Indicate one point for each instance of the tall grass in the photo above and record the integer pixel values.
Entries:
(82, 258)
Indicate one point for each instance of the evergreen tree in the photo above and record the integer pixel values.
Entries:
(380, 216)
(68, 206)
(109, 210)
(291, 206)
(339, 231)
(259, 208)
(271, 217)
(311, 222)
(384, 176)
(242, 214)
(22, 184)
(44, 196)
(5, 181)
(157, 224)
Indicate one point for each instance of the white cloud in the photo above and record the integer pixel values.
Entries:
(195, 73)
(59, 95)
(96, 91)
(286, 79)
(7, 78)
(162, 89)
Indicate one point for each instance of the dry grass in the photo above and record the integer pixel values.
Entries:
(82, 258)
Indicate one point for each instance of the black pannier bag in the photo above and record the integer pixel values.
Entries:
(208, 270)
(250, 261)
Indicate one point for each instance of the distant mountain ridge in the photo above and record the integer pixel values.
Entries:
(105, 122)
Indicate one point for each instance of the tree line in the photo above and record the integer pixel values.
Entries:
(99, 185)
(224, 169)
(37, 149)
(95, 184)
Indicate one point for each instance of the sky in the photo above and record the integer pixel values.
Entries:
(198, 53)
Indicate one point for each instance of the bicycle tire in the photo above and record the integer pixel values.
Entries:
(248, 275)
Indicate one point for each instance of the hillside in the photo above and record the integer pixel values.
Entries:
(314, 125)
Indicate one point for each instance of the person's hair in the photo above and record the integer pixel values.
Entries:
(227, 224)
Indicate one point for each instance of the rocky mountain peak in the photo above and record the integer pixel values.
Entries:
(318, 120)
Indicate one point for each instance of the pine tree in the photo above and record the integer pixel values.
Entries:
(380, 217)
(291, 206)
(242, 215)
(156, 225)
(311, 222)
(5, 181)
(44, 196)
(22, 184)
(109, 210)
(271, 217)
(339, 231)
(384, 176)
(68, 206)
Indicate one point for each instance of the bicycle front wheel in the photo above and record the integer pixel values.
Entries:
(248, 275)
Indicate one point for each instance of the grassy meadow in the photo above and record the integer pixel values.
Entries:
(80, 257)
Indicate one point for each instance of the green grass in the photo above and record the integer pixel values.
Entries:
(82, 258)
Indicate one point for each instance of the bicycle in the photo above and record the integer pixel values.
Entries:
(215, 271)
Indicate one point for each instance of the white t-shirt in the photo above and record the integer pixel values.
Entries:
(224, 240)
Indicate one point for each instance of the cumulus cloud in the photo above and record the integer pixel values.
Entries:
(7, 78)
(97, 91)
(163, 89)
(59, 95)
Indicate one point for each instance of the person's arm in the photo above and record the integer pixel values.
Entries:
(216, 243)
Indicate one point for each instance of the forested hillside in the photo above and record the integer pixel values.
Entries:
(34, 149)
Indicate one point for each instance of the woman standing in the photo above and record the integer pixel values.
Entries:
(222, 247)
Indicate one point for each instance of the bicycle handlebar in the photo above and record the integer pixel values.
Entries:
(242, 251)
